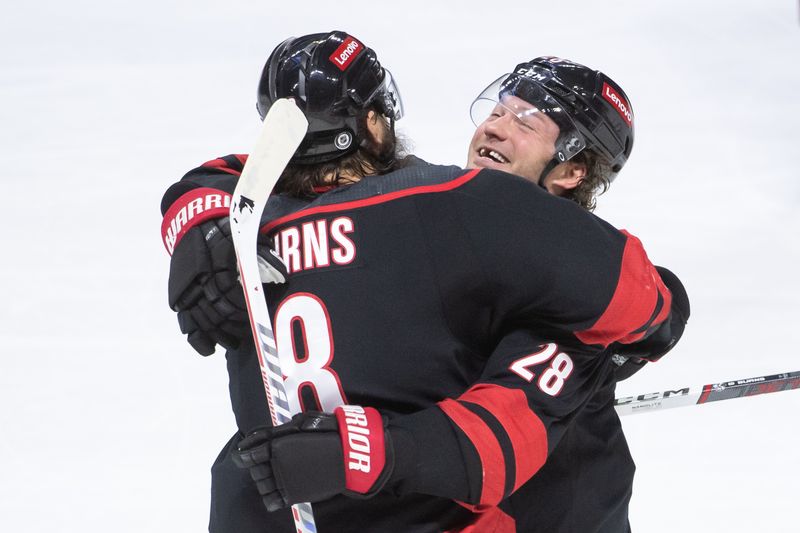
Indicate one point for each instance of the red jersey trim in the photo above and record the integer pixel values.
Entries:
(191, 209)
(374, 200)
(491, 455)
(220, 164)
(634, 300)
(525, 430)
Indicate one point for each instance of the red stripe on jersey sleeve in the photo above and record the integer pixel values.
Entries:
(491, 455)
(634, 300)
(221, 164)
(525, 430)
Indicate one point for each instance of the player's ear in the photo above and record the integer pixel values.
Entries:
(565, 177)
(376, 126)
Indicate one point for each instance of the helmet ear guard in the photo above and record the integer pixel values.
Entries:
(335, 80)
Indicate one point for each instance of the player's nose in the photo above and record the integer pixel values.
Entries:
(498, 127)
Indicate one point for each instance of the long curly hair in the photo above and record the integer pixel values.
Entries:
(371, 158)
(596, 181)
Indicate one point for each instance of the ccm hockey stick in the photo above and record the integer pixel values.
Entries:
(283, 131)
(713, 392)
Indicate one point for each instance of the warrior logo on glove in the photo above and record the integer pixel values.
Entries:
(317, 455)
(364, 449)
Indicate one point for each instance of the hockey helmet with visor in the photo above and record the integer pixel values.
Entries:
(592, 111)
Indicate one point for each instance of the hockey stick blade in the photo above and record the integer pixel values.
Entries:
(713, 392)
(283, 131)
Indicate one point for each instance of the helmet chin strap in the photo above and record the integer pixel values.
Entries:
(553, 163)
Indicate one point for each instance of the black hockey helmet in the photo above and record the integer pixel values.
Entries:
(589, 107)
(333, 78)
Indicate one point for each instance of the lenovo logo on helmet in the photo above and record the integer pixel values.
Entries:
(346, 52)
(619, 103)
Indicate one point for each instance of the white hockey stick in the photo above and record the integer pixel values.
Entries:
(283, 131)
(712, 392)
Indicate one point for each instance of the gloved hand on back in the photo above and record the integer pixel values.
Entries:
(204, 287)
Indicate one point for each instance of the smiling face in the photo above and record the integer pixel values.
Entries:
(515, 138)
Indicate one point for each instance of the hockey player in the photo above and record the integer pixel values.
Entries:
(570, 97)
(588, 119)
(405, 276)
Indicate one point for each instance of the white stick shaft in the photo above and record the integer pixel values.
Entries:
(283, 131)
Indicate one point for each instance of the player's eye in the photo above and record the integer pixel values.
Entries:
(524, 125)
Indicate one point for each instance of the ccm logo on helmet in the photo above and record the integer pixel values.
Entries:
(531, 73)
(622, 107)
(346, 52)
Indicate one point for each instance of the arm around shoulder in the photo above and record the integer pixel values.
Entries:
(653, 347)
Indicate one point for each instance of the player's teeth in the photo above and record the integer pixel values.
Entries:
(485, 152)
(497, 157)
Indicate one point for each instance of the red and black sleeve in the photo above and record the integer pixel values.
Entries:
(202, 194)
(640, 303)
(557, 269)
(482, 446)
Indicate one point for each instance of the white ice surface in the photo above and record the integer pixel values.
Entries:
(109, 421)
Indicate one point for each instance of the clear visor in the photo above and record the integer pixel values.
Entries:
(392, 100)
(527, 101)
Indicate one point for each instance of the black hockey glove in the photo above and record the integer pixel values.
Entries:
(204, 286)
(630, 358)
(317, 455)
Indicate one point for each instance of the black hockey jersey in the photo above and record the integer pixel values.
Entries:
(469, 306)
